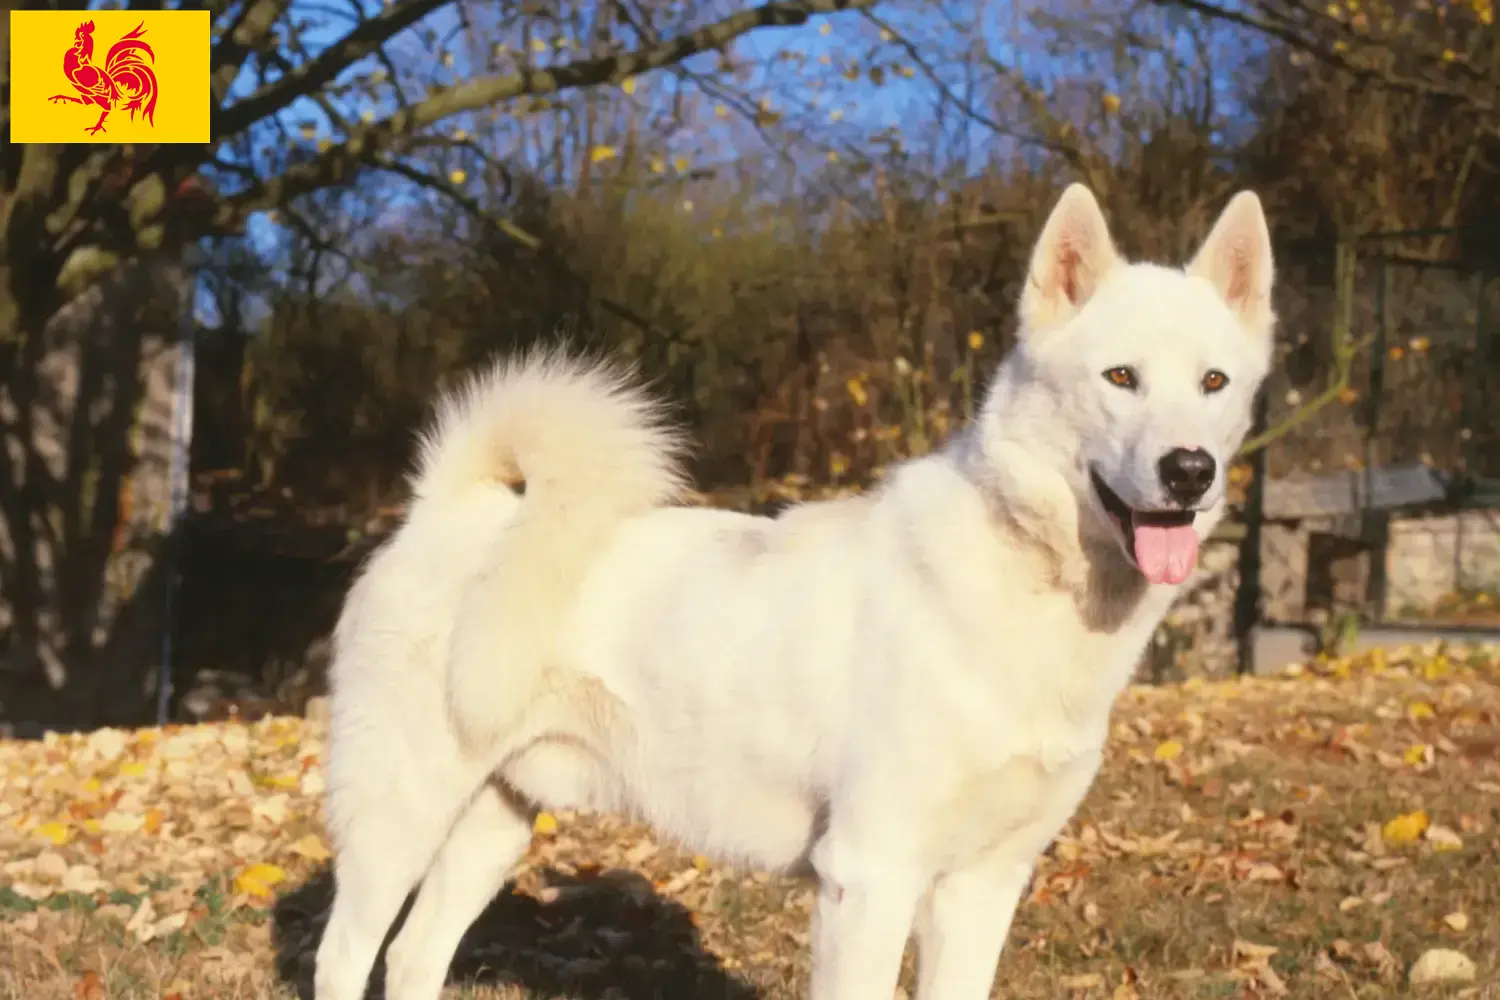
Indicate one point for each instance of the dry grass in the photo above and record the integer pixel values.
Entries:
(1231, 819)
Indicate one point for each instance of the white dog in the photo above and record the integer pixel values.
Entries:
(908, 690)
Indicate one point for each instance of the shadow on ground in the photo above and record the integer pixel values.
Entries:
(605, 936)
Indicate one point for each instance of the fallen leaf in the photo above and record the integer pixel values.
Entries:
(55, 831)
(1457, 921)
(1378, 955)
(545, 824)
(1168, 750)
(1407, 828)
(312, 848)
(1085, 981)
(1418, 754)
(1443, 839)
(1442, 965)
(258, 880)
(1249, 951)
(90, 986)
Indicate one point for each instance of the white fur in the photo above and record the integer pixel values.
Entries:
(909, 691)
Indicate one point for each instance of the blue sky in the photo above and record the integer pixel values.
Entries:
(842, 114)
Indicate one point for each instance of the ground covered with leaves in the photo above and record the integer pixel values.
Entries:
(1334, 832)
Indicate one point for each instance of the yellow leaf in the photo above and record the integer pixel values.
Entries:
(825, 29)
(154, 820)
(1419, 710)
(1449, 55)
(312, 848)
(628, 85)
(538, 45)
(258, 879)
(277, 781)
(1416, 754)
(857, 392)
(458, 176)
(976, 340)
(1111, 103)
(1407, 828)
(56, 831)
(134, 769)
(833, 157)
(1419, 344)
(720, 111)
(1168, 750)
(601, 153)
(1458, 920)
(544, 824)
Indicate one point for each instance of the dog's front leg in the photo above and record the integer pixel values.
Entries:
(859, 938)
(961, 928)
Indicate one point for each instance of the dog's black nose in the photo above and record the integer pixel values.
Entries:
(1187, 473)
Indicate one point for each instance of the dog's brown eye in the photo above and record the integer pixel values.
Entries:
(1122, 376)
(1214, 381)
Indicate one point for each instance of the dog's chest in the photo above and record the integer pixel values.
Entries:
(1023, 744)
(1015, 807)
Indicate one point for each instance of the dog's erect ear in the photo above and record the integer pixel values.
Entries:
(1236, 260)
(1071, 258)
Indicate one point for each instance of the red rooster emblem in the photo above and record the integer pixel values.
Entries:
(125, 76)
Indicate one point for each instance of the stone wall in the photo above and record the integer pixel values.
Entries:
(1430, 557)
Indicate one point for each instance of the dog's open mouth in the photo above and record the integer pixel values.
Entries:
(1163, 543)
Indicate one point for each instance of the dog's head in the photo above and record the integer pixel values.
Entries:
(1148, 372)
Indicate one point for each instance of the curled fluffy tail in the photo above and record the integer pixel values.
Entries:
(587, 448)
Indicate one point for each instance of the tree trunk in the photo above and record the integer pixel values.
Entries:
(86, 417)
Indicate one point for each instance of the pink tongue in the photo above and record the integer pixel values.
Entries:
(1165, 554)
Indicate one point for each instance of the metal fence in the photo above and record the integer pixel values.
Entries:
(1373, 492)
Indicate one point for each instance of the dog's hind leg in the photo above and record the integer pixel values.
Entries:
(471, 867)
(386, 841)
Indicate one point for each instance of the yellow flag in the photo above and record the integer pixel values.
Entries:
(109, 76)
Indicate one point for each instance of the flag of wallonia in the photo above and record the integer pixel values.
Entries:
(109, 76)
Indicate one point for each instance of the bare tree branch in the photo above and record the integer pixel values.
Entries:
(1340, 57)
(340, 163)
(314, 74)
